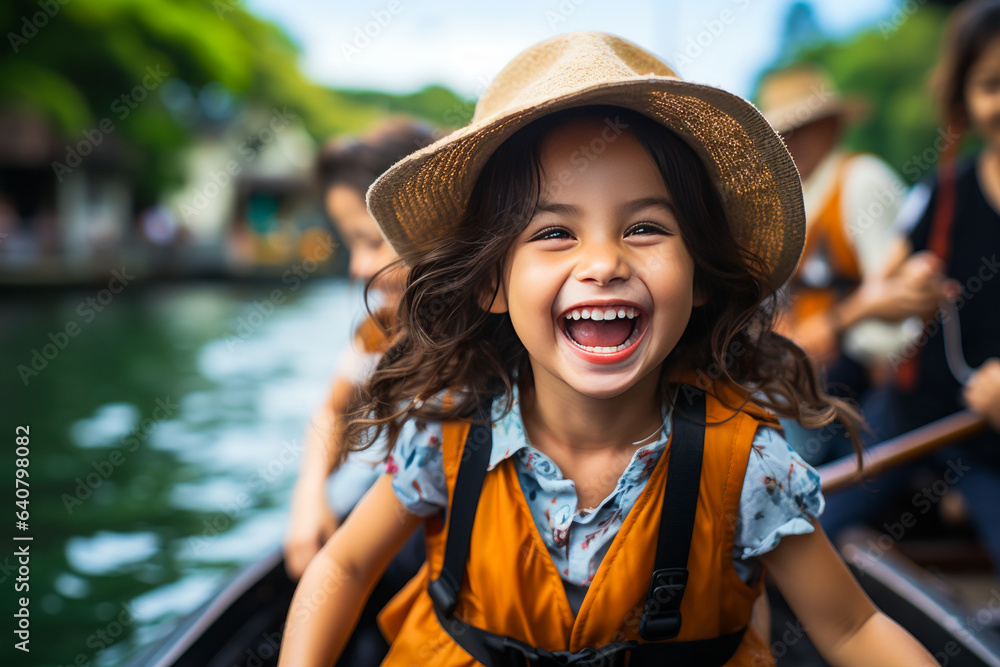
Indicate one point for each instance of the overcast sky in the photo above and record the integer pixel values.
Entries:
(412, 43)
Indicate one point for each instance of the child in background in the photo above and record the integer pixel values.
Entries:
(591, 262)
(345, 169)
(948, 249)
(330, 485)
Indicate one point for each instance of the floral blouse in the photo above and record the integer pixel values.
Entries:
(781, 493)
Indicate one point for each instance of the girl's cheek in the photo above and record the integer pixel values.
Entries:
(657, 264)
(526, 263)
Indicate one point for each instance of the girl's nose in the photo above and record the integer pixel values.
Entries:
(602, 263)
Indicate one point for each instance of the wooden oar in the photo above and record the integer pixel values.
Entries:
(843, 472)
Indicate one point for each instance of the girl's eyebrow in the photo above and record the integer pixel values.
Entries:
(626, 208)
(560, 209)
(637, 205)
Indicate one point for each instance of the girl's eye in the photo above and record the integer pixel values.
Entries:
(551, 233)
(645, 228)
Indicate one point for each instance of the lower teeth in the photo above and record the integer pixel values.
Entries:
(605, 350)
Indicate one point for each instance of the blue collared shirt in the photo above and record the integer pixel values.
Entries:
(781, 493)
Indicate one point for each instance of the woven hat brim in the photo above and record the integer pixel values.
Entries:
(422, 198)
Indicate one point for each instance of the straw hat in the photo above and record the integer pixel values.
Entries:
(422, 198)
(797, 96)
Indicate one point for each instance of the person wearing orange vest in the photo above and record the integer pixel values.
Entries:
(942, 272)
(585, 332)
(330, 483)
(851, 201)
(345, 168)
(585, 603)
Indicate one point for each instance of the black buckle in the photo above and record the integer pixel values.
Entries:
(580, 658)
(662, 618)
(443, 595)
(517, 652)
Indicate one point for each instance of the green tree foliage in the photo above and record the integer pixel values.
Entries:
(889, 65)
(72, 61)
(434, 103)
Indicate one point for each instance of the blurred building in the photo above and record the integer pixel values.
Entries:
(57, 213)
(247, 206)
(249, 191)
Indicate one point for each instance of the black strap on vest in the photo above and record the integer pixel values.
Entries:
(661, 619)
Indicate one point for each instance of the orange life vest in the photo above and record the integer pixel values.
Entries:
(512, 586)
(829, 233)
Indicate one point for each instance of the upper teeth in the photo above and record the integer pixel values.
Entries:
(600, 313)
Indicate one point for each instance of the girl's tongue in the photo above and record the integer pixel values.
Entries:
(604, 333)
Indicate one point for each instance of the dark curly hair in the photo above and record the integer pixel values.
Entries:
(446, 339)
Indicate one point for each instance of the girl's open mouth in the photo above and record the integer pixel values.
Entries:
(609, 331)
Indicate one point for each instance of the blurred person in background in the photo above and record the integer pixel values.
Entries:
(330, 483)
(848, 296)
(946, 256)
(851, 200)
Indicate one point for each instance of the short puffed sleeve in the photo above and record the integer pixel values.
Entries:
(781, 495)
(417, 468)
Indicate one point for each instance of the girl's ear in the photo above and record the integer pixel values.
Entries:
(499, 303)
(700, 298)
(492, 296)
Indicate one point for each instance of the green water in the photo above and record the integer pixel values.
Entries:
(165, 425)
